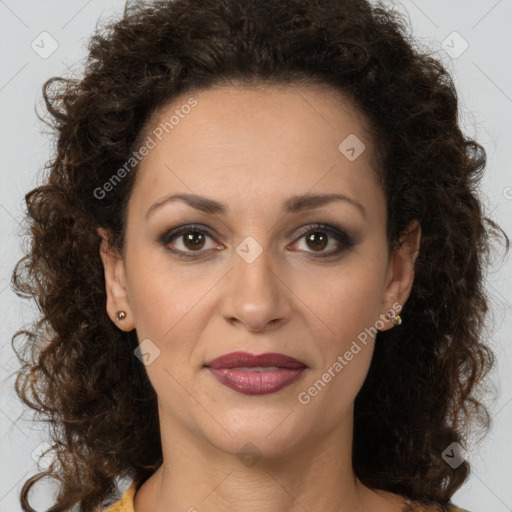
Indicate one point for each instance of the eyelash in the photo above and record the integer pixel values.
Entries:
(341, 237)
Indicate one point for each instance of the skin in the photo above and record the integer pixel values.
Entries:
(251, 148)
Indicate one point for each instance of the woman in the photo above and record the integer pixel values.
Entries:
(259, 255)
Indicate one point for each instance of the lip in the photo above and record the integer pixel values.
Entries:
(246, 360)
(233, 371)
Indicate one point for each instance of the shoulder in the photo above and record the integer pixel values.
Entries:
(402, 503)
(414, 506)
(125, 503)
(420, 508)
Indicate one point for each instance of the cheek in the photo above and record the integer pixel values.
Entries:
(163, 297)
(346, 300)
(345, 352)
(344, 304)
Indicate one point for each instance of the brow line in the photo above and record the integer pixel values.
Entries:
(294, 204)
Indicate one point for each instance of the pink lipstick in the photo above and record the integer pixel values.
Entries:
(256, 374)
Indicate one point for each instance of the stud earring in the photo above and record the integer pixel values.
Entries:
(120, 315)
(396, 319)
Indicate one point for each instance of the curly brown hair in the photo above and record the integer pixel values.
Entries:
(78, 369)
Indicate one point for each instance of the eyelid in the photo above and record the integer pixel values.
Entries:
(339, 234)
(167, 236)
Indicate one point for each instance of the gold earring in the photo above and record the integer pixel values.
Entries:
(120, 315)
(396, 319)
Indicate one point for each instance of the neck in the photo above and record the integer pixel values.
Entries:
(199, 477)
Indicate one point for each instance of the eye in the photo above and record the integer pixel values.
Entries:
(190, 239)
(318, 237)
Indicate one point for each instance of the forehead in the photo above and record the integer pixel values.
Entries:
(223, 109)
(261, 139)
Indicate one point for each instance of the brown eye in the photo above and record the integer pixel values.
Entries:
(317, 240)
(319, 236)
(186, 240)
(193, 240)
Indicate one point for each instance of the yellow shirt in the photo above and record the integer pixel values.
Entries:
(125, 503)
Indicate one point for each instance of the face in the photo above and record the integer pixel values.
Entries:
(243, 266)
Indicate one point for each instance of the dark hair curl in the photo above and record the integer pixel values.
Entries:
(79, 371)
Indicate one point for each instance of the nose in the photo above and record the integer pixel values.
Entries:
(256, 297)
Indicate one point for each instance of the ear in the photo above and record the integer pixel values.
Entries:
(400, 272)
(115, 283)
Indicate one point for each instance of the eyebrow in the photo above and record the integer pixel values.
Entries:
(293, 204)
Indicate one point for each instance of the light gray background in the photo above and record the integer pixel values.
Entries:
(484, 78)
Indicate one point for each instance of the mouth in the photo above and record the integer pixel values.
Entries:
(256, 374)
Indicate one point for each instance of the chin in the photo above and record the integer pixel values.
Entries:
(273, 433)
